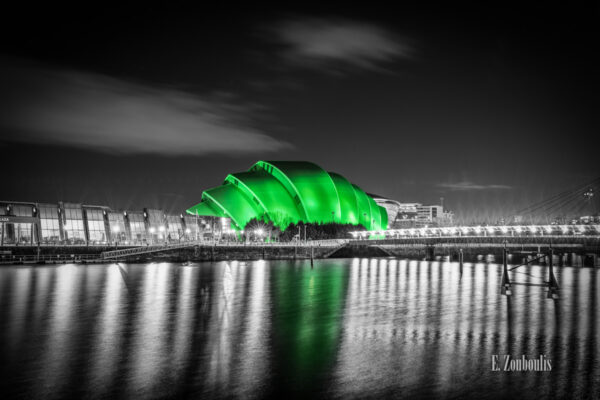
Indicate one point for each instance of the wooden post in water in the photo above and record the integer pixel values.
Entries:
(505, 282)
(312, 255)
(552, 283)
(460, 261)
(561, 259)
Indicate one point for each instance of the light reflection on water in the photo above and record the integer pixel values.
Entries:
(345, 328)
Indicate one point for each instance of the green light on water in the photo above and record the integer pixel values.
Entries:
(308, 315)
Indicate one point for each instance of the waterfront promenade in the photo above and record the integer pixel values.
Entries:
(573, 249)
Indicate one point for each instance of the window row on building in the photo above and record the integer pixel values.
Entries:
(70, 223)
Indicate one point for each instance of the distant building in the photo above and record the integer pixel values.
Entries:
(408, 214)
(434, 215)
(586, 220)
(411, 215)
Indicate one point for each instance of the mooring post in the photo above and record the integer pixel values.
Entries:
(552, 283)
(429, 253)
(312, 255)
(460, 260)
(561, 260)
(505, 282)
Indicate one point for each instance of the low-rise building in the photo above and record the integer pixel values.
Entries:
(412, 215)
(30, 223)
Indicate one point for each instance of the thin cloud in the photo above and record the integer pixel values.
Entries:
(97, 112)
(319, 42)
(466, 185)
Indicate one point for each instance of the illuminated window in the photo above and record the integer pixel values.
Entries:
(73, 225)
(95, 224)
(49, 224)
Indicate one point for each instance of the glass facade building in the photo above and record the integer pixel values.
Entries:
(73, 227)
(50, 224)
(116, 227)
(192, 229)
(137, 227)
(20, 225)
(47, 224)
(96, 226)
(174, 228)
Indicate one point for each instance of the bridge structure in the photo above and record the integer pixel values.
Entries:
(515, 246)
(479, 231)
(302, 249)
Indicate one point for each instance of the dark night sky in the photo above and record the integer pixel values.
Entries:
(491, 108)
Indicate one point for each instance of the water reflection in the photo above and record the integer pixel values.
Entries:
(345, 328)
(307, 319)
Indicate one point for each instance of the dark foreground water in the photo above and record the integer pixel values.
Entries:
(345, 329)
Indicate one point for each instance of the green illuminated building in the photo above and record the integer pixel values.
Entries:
(287, 192)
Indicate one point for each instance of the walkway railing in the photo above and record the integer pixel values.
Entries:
(143, 250)
(115, 254)
(483, 231)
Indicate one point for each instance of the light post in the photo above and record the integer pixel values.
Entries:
(152, 230)
(116, 230)
(258, 232)
(161, 229)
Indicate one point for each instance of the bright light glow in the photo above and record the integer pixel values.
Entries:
(152, 230)
(259, 232)
(116, 229)
(188, 230)
(161, 228)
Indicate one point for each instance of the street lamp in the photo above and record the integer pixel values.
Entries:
(116, 230)
(162, 235)
(152, 230)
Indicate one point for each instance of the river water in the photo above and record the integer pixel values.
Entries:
(347, 328)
